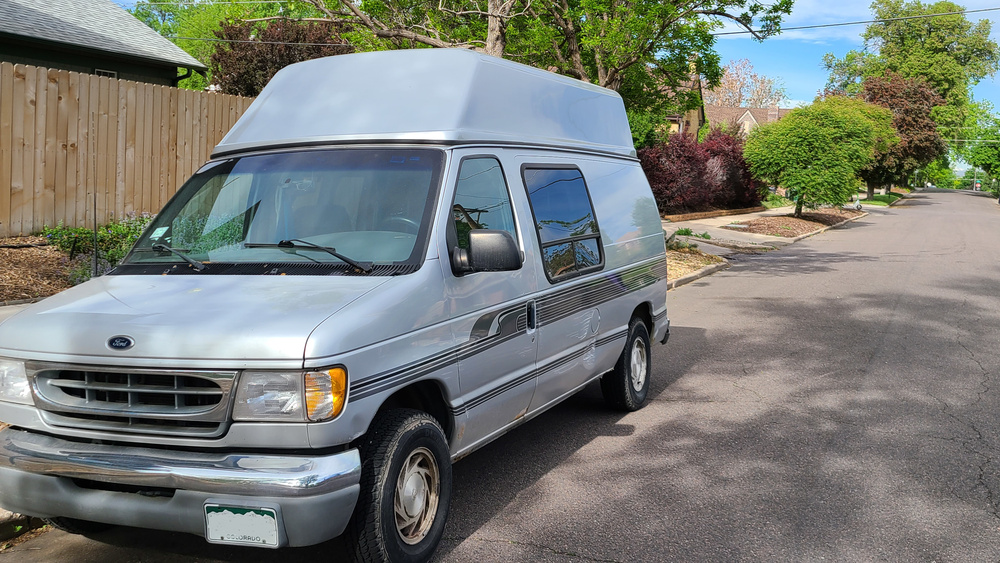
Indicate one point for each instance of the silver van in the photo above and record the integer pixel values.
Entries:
(392, 259)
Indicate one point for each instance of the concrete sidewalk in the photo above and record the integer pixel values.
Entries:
(729, 241)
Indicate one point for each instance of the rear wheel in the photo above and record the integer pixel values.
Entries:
(627, 386)
(405, 489)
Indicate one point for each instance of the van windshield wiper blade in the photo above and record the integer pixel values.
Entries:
(299, 243)
(164, 248)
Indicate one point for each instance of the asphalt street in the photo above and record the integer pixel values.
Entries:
(833, 400)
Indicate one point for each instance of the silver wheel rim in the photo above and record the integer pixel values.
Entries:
(417, 494)
(637, 365)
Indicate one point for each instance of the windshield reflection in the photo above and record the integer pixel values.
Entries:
(370, 205)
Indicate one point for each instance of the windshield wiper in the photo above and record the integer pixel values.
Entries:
(299, 243)
(164, 248)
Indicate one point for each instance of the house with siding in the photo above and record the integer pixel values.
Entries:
(745, 119)
(90, 37)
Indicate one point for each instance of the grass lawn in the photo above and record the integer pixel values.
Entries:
(882, 200)
(775, 200)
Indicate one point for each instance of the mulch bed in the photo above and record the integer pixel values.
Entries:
(688, 261)
(790, 227)
(31, 272)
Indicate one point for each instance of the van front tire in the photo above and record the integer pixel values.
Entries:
(627, 386)
(405, 489)
(75, 526)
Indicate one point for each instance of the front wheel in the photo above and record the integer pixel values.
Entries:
(627, 386)
(76, 526)
(405, 489)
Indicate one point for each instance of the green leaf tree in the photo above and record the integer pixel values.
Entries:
(817, 151)
(983, 149)
(949, 52)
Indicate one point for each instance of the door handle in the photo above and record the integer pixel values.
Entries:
(531, 315)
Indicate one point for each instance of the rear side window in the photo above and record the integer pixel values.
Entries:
(564, 218)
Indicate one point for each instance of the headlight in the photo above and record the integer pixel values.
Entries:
(291, 396)
(14, 387)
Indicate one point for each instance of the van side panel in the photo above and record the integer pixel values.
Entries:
(582, 321)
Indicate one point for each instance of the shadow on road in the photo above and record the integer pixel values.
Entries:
(484, 482)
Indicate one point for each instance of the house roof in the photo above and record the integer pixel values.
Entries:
(99, 25)
(725, 114)
(449, 96)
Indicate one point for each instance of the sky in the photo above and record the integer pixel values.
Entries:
(796, 57)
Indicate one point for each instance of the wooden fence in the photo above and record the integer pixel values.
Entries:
(67, 138)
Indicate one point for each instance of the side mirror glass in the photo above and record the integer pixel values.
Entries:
(489, 251)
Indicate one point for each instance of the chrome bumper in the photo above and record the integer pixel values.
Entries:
(37, 472)
(245, 475)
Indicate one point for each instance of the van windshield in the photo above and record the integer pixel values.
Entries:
(361, 210)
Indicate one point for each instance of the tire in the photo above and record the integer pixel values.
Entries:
(627, 386)
(405, 489)
(79, 527)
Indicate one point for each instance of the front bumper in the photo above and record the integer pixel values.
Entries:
(49, 477)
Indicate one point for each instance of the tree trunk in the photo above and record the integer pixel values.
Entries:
(496, 30)
(798, 208)
(871, 191)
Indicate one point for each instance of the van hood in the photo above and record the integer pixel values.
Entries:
(231, 321)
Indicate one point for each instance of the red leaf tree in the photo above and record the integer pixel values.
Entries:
(687, 176)
(911, 101)
(250, 53)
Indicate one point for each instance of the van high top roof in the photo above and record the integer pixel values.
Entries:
(446, 96)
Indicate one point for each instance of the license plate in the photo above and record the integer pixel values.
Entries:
(240, 525)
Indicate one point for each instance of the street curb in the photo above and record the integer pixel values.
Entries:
(681, 217)
(706, 271)
(825, 229)
(20, 301)
(13, 525)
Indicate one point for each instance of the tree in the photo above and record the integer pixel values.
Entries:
(938, 173)
(818, 150)
(911, 102)
(252, 52)
(740, 86)
(983, 150)
(607, 42)
(192, 24)
(949, 52)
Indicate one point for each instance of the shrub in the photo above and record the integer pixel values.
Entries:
(113, 242)
(677, 172)
(736, 186)
(688, 176)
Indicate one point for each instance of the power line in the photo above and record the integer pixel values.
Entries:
(211, 3)
(841, 24)
(254, 41)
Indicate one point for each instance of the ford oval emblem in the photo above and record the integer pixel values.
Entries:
(120, 342)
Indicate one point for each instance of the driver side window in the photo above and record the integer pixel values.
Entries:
(481, 200)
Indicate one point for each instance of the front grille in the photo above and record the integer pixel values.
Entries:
(176, 403)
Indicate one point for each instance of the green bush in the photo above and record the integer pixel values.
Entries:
(774, 200)
(113, 242)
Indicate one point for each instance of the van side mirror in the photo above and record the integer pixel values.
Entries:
(489, 251)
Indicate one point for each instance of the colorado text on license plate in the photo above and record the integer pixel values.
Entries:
(239, 525)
